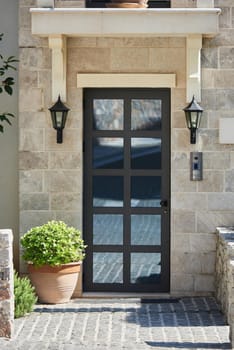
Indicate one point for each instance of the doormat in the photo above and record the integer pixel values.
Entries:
(159, 301)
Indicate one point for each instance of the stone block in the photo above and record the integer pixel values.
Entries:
(178, 99)
(187, 263)
(223, 3)
(31, 140)
(31, 181)
(66, 201)
(81, 42)
(224, 38)
(163, 59)
(189, 201)
(33, 160)
(208, 138)
(31, 218)
(75, 120)
(225, 18)
(129, 59)
(33, 120)
(71, 4)
(208, 78)
(180, 243)
(27, 3)
(27, 40)
(224, 79)
(184, 221)
(212, 181)
(24, 17)
(209, 58)
(178, 120)
(35, 58)
(227, 57)
(229, 186)
(28, 79)
(63, 181)
(218, 161)
(71, 218)
(208, 263)
(65, 160)
(30, 100)
(180, 139)
(204, 283)
(90, 59)
(208, 221)
(183, 3)
(6, 284)
(180, 160)
(72, 140)
(203, 243)
(182, 283)
(34, 201)
(221, 201)
(180, 182)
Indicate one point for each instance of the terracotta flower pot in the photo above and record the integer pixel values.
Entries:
(54, 284)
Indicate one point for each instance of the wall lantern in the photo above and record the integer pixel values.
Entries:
(193, 114)
(59, 116)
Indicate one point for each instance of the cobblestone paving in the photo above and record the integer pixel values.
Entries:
(104, 324)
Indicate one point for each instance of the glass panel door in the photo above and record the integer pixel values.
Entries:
(126, 190)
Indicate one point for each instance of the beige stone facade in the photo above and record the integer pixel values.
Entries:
(51, 174)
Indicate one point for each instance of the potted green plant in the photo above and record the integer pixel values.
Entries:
(54, 252)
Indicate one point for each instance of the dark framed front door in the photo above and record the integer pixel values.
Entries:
(127, 190)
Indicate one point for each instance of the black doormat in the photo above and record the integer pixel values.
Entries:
(159, 301)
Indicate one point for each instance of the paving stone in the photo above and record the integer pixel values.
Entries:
(119, 324)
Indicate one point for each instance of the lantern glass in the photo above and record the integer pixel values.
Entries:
(193, 114)
(59, 116)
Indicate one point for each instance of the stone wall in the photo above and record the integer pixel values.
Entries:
(6, 284)
(51, 174)
(224, 277)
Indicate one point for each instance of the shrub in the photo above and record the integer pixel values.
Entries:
(25, 297)
(53, 244)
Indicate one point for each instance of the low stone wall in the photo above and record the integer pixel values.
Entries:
(224, 278)
(6, 284)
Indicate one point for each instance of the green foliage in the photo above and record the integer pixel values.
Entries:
(53, 244)
(6, 83)
(25, 297)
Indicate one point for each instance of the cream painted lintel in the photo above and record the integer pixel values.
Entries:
(126, 80)
(57, 44)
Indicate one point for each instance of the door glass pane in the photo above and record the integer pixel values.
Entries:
(107, 268)
(108, 153)
(145, 268)
(145, 191)
(108, 114)
(145, 153)
(145, 229)
(107, 229)
(107, 191)
(146, 114)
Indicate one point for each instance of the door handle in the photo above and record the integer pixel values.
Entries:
(164, 203)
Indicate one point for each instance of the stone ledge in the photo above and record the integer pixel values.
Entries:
(6, 284)
(225, 274)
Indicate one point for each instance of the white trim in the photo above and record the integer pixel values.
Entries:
(109, 22)
(193, 47)
(126, 80)
(59, 66)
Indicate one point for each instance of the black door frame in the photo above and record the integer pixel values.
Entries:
(126, 93)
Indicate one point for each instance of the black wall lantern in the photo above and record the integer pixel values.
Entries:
(59, 116)
(193, 114)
